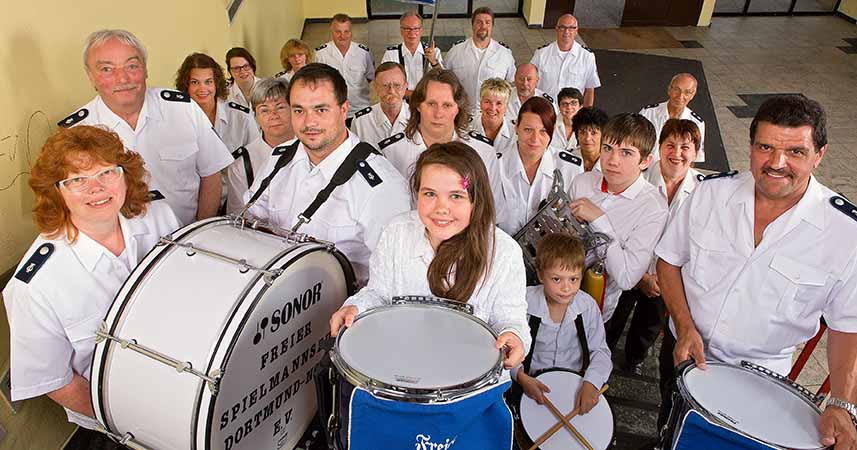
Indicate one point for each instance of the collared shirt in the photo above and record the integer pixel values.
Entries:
(634, 219)
(258, 152)
(520, 200)
(237, 95)
(372, 125)
(473, 67)
(506, 137)
(576, 69)
(559, 140)
(758, 303)
(399, 266)
(53, 318)
(235, 126)
(353, 216)
(654, 177)
(658, 115)
(286, 75)
(413, 62)
(557, 344)
(175, 139)
(357, 67)
(514, 106)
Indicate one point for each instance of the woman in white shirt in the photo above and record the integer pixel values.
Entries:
(491, 119)
(570, 100)
(242, 70)
(294, 55)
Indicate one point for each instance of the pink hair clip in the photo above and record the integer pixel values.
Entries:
(465, 182)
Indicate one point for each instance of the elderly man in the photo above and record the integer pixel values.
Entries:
(681, 91)
(565, 63)
(413, 54)
(526, 82)
(390, 115)
(751, 281)
(479, 58)
(354, 61)
(173, 135)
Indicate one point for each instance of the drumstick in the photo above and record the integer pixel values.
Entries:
(567, 424)
(547, 434)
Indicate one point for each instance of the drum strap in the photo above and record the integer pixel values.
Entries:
(284, 159)
(535, 322)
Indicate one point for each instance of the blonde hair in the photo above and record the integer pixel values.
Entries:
(496, 86)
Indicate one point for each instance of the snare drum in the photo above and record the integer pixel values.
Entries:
(420, 373)
(596, 425)
(747, 406)
(211, 341)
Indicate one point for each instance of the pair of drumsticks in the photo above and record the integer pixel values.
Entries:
(564, 421)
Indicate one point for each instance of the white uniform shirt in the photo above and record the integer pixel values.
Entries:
(357, 67)
(653, 176)
(658, 115)
(514, 106)
(577, 69)
(235, 125)
(237, 96)
(559, 141)
(54, 316)
(258, 152)
(506, 137)
(353, 215)
(175, 139)
(557, 344)
(413, 62)
(758, 303)
(399, 266)
(472, 67)
(286, 75)
(520, 199)
(634, 219)
(372, 125)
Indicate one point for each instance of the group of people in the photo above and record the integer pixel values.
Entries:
(464, 150)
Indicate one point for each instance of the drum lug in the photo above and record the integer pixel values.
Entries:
(126, 439)
(214, 386)
(243, 265)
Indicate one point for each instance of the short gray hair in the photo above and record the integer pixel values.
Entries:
(98, 38)
(267, 89)
(410, 13)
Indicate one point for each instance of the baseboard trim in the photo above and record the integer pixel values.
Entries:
(846, 17)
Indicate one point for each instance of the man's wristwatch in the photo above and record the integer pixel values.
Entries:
(842, 404)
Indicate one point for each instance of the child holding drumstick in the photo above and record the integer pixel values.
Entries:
(450, 248)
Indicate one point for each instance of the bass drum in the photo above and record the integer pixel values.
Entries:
(211, 342)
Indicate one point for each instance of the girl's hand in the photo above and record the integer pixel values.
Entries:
(514, 353)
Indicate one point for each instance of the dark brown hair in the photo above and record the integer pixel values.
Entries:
(447, 77)
(239, 52)
(562, 250)
(539, 106)
(465, 257)
(632, 128)
(681, 128)
(793, 111)
(482, 10)
(201, 61)
(314, 73)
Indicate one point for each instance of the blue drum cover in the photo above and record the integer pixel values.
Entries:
(481, 421)
(698, 433)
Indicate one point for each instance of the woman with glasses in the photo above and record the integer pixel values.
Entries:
(242, 75)
(294, 55)
(96, 220)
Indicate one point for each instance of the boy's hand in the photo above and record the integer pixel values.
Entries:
(587, 397)
(534, 388)
(585, 210)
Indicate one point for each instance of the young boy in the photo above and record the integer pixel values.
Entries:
(620, 203)
(565, 323)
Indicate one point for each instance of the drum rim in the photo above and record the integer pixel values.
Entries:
(410, 394)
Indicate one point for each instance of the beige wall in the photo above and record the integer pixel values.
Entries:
(325, 9)
(849, 8)
(534, 11)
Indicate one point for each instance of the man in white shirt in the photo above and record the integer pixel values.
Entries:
(182, 152)
(681, 91)
(390, 115)
(476, 59)
(526, 82)
(413, 54)
(354, 61)
(565, 63)
(771, 252)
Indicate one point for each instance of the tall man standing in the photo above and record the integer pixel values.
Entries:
(413, 54)
(565, 63)
(354, 61)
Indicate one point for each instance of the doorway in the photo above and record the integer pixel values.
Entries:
(393, 9)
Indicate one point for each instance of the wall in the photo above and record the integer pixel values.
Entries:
(707, 12)
(320, 9)
(849, 8)
(534, 11)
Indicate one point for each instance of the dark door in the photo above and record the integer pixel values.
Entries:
(661, 12)
(554, 9)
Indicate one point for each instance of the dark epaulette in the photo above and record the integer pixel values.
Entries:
(155, 195)
(459, 42)
(363, 112)
(364, 47)
(36, 261)
(481, 137)
(504, 44)
(844, 206)
(175, 96)
(696, 116)
(543, 46)
(238, 152)
(499, 155)
(239, 107)
(371, 177)
(700, 177)
(569, 158)
(390, 140)
(547, 97)
(280, 73)
(321, 47)
(425, 44)
(653, 105)
(588, 49)
(279, 150)
(78, 115)
(715, 176)
(393, 47)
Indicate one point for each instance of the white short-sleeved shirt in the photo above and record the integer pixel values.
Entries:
(353, 215)
(473, 66)
(758, 303)
(658, 114)
(506, 137)
(175, 139)
(576, 69)
(256, 154)
(372, 125)
(399, 266)
(520, 199)
(559, 141)
(54, 314)
(634, 219)
(413, 62)
(654, 177)
(557, 344)
(514, 106)
(237, 96)
(357, 67)
(286, 75)
(235, 125)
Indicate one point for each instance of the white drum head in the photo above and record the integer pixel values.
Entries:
(419, 347)
(596, 425)
(757, 406)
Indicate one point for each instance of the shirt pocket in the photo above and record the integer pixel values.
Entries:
(796, 284)
(338, 229)
(180, 164)
(710, 256)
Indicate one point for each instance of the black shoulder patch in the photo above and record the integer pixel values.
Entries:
(278, 150)
(543, 46)
(481, 137)
(239, 107)
(547, 97)
(371, 177)
(321, 47)
(700, 177)
(568, 157)
(504, 44)
(238, 152)
(175, 96)
(155, 195)
(696, 116)
(363, 47)
(36, 261)
(845, 206)
(715, 176)
(391, 140)
(280, 73)
(393, 47)
(499, 155)
(653, 105)
(76, 117)
(588, 49)
(363, 112)
(459, 42)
